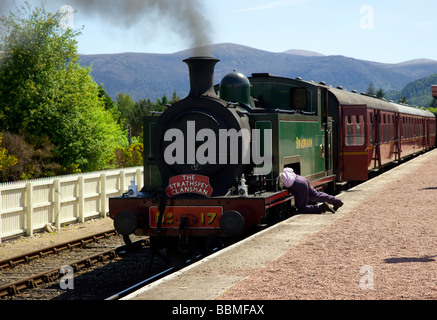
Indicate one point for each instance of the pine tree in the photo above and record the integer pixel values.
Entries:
(371, 89)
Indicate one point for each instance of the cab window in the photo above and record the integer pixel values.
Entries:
(298, 98)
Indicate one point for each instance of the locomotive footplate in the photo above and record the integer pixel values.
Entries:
(194, 216)
(223, 216)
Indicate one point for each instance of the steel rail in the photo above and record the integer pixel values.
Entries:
(30, 256)
(143, 283)
(158, 276)
(32, 282)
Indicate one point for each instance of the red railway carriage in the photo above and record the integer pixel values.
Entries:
(374, 133)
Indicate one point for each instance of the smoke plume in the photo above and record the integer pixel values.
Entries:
(184, 17)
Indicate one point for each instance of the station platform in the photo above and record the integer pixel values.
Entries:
(382, 244)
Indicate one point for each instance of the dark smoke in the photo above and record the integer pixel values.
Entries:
(184, 17)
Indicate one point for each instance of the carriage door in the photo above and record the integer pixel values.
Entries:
(354, 153)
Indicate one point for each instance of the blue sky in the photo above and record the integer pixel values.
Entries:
(389, 31)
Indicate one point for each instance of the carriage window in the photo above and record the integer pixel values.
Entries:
(390, 128)
(413, 128)
(410, 128)
(354, 130)
(349, 131)
(371, 127)
(384, 129)
(359, 126)
(298, 98)
(404, 128)
(394, 135)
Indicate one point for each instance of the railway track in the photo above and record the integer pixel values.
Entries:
(87, 268)
(28, 257)
(157, 276)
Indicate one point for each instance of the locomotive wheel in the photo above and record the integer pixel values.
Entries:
(232, 223)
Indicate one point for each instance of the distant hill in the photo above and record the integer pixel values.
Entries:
(145, 75)
(418, 92)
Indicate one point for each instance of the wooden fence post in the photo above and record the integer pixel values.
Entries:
(138, 181)
(81, 199)
(57, 202)
(103, 208)
(122, 183)
(29, 209)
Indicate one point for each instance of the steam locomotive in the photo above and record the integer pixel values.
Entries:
(212, 161)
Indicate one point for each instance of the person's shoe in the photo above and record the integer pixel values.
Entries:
(338, 205)
(327, 207)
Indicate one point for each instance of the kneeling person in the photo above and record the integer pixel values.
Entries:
(303, 193)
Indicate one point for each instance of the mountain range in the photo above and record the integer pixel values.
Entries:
(147, 75)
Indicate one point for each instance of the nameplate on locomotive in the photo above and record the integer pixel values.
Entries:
(189, 183)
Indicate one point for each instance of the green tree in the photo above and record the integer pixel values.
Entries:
(380, 93)
(34, 158)
(6, 160)
(433, 106)
(403, 100)
(110, 105)
(125, 105)
(133, 112)
(370, 89)
(44, 91)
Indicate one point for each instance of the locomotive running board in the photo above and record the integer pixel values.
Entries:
(279, 198)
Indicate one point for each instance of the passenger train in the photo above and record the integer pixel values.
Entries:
(212, 161)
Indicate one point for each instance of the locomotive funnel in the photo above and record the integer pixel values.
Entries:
(201, 76)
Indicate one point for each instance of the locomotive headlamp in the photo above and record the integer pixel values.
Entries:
(242, 188)
(133, 189)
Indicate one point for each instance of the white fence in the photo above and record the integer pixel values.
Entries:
(27, 206)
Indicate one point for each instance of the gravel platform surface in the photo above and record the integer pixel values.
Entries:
(384, 248)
